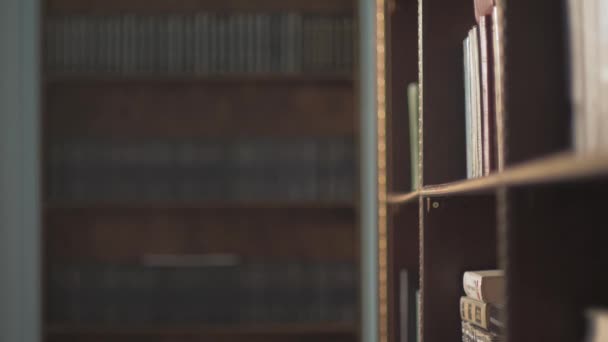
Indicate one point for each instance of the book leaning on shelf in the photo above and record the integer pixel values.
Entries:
(414, 117)
(483, 91)
(481, 309)
(588, 45)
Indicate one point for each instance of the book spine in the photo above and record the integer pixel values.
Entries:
(467, 332)
(486, 91)
(467, 107)
(412, 94)
(472, 283)
(498, 88)
(577, 73)
(476, 98)
(483, 315)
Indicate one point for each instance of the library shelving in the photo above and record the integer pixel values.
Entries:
(538, 216)
(99, 104)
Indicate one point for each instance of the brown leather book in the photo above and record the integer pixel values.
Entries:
(483, 8)
(487, 94)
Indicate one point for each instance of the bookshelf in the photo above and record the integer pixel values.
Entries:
(537, 216)
(293, 222)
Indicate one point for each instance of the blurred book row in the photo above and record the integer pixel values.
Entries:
(249, 292)
(200, 43)
(260, 169)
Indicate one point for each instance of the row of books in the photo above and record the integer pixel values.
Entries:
(588, 22)
(482, 307)
(249, 292)
(483, 90)
(200, 43)
(254, 169)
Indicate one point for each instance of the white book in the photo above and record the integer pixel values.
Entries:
(476, 102)
(487, 285)
(467, 107)
(591, 64)
(602, 126)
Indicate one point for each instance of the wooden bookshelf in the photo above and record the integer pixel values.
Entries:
(540, 218)
(176, 107)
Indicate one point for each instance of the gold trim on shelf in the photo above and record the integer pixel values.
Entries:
(381, 164)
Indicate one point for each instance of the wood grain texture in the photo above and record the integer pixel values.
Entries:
(155, 6)
(557, 259)
(444, 26)
(128, 234)
(459, 235)
(143, 109)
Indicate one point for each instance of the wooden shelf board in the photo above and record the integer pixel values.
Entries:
(402, 198)
(564, 166)
(314, 205)
(279, 329)
(212, 110)
(345, 78)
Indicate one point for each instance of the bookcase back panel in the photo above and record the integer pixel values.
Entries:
(155, 6)
(459, 235)
(557, 260)
(404, 255)
(167, 109)
(128, 235)
(402, 70)
(537, 100)
(444, 26)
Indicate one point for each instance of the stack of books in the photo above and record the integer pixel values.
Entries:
(481, 310)
(483, 91)
(588, 22)
(597, 325)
